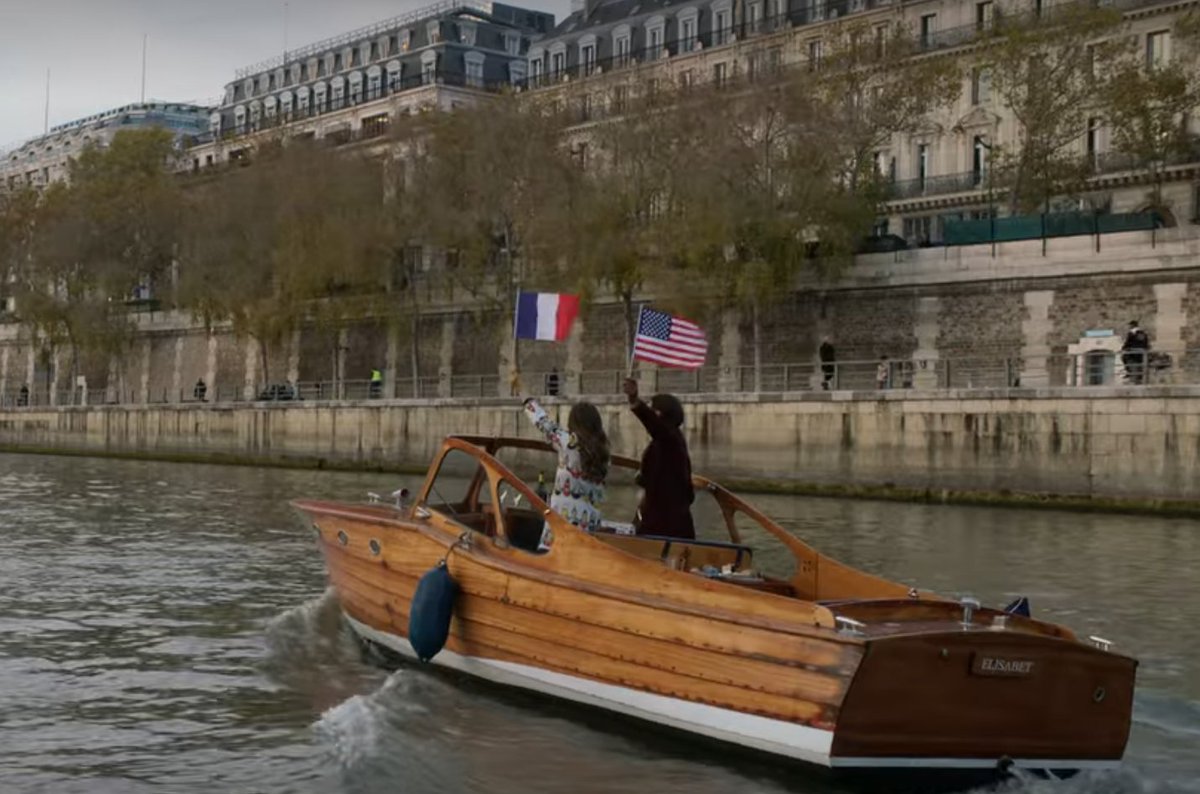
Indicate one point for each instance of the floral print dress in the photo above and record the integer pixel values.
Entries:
(574, 497)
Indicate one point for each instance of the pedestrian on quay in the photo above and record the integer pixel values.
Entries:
(1134, 353)
(883, 374)
(200, 390)
(376, 383)
(828, 366)
(552, 382)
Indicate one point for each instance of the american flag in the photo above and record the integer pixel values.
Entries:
(670, 341)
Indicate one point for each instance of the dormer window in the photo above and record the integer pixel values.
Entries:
(405, 40)
(655, 30)
(558, 60)
(722, 23)
(512, 43)
(688, 19)
(474, 67)
(466, 33)
(434, 31)
(622, 46)
(587, 54)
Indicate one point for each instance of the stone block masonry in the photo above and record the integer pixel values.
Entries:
(1115, 445)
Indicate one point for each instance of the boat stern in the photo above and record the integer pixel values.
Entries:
(976, 700)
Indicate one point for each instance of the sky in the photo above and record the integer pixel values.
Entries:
(93, 49)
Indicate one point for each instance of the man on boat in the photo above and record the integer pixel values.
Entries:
(665, 475)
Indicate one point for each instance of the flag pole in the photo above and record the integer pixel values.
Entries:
(516, 337)
(633, 342)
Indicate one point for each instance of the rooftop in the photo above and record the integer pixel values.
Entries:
(435, 10)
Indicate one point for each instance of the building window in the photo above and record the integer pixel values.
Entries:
(1158, 49)
(754, 17)
(474, 66)
(686, 78)
(579, 153)
(393, 44)
(983, 15)
(654, 40)
(720, 73)
(922, 164)
(721, 28)
(814, 55)
(558, 63)
(775, 60)
(621, 48)
(979, 163)
(620, 99)
(687, 34)
(429, 68)
(1093, 141)
(587, 56)
(512, 44)
(434, 31)
(928, 26)
(585, 107)
(337, 62)
(981, 85)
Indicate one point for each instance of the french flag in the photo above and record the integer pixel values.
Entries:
(545, 315)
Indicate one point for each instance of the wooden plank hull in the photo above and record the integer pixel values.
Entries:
(594, 625)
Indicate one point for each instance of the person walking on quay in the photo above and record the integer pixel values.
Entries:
(200, 390)
(583, 460)
(883, 374)
(376, 383)
(828, 367)
(1134, 353)
(665, 476)
(552, 381)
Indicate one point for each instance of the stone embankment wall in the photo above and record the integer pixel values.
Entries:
(1120, 443)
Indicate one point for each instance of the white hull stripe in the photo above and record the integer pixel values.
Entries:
(760, 733)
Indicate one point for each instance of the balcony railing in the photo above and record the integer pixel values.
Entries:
(936, 185)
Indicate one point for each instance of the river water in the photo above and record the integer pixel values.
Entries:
(165, 627)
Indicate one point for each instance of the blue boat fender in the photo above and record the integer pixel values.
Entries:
(432, 608)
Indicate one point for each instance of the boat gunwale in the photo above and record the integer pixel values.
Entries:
(346, 511)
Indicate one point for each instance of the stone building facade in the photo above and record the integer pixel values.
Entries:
(607, 51)
(46, 158)
(356, 84)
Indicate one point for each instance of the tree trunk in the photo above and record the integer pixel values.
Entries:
(264, 360)
(757, 324)
(414, 339)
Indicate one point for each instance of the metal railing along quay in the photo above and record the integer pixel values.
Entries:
(1071, 370)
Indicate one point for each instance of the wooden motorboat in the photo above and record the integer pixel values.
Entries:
(832, 666)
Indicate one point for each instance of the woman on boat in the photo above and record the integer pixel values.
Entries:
(666, 472)
(583, 458)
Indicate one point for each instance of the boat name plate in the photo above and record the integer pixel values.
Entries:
(983, 664)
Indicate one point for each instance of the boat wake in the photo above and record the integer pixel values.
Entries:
(311, 635)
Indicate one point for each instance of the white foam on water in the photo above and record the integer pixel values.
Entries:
(351, 730)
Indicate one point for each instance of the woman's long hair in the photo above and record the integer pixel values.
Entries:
(585, 424)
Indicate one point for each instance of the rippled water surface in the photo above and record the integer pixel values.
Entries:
(165, 627)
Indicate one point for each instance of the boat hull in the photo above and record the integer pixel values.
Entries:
(596, 626)
(808, 745)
